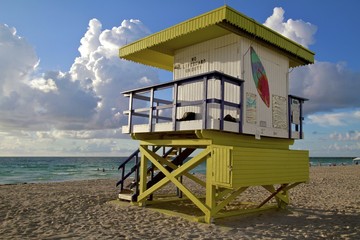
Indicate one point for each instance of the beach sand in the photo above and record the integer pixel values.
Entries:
(328, 207)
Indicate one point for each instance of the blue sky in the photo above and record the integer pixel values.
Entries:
(60, 77)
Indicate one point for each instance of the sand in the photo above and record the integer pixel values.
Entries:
(328, 207)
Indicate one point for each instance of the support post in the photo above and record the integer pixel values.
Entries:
(210, 190)
(143, 176)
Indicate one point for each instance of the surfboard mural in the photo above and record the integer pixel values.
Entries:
(260, 78)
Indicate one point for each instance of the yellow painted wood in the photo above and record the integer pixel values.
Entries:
(210, 190)
(147, 154)
(240, 140)
(143, 175)
(279, 196)
(187, 134)
(234, 194)
(195, 143)
(269, 166)
(234, 163)
(221, 166)
(173, 177)
(193, 162)
(159, 48)
(163, 161)
(222, 193)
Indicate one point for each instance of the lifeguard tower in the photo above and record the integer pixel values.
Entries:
(228, 108)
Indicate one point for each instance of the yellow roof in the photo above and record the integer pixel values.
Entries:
(158, 49)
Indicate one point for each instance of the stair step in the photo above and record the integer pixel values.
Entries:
(126, 194)
(174, 152)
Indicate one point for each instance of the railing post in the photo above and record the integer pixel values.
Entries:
(298, 121)
(241, 120)
(175, 101)
(222, 105)
(157, 112)
(151, 109)
(155, 103)
(301, 121)
(131, 99)
(204, 110)
(289, 116)
(122, 177)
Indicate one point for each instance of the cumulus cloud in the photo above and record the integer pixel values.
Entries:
(328, 86)
(45, 85)
(348, 136)
(85, 98)
(17, 60)
(79, 134)
(297, 30)
(101, 69)
(344, 147)
(330, 119)
(335, 119)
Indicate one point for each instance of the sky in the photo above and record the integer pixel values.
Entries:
(61, 78)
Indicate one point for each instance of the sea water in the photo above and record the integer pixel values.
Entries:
(331, 161)
(55, 169)
(14, 170)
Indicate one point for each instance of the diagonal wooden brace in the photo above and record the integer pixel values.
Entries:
(273, 195)
(163, 161)
(155, 159)
(233, 195)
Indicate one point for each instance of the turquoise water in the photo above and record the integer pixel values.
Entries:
(331, 161)
(57, 169)
(54, 169)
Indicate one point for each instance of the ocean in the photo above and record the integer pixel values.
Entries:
(15, 170)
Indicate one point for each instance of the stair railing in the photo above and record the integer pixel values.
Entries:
(122, 168)
(135, 169)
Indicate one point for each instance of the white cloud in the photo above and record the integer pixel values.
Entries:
(348, 136)
(17, 58)
(101, 69)
(90, 41)
(297, 30)
(79, 134)
(45, 85)
(335, 119)
(344, 147)
(86, 98)
(328, 86)
(328, 119)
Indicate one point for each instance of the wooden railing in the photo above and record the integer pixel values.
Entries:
(296, 116)
(149, 104)
(157, 105)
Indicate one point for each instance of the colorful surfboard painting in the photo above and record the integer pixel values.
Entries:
(260, 78)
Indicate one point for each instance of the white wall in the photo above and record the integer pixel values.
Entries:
(273, 120)
(230, 54)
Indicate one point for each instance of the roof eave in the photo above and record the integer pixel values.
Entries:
(159, 48)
